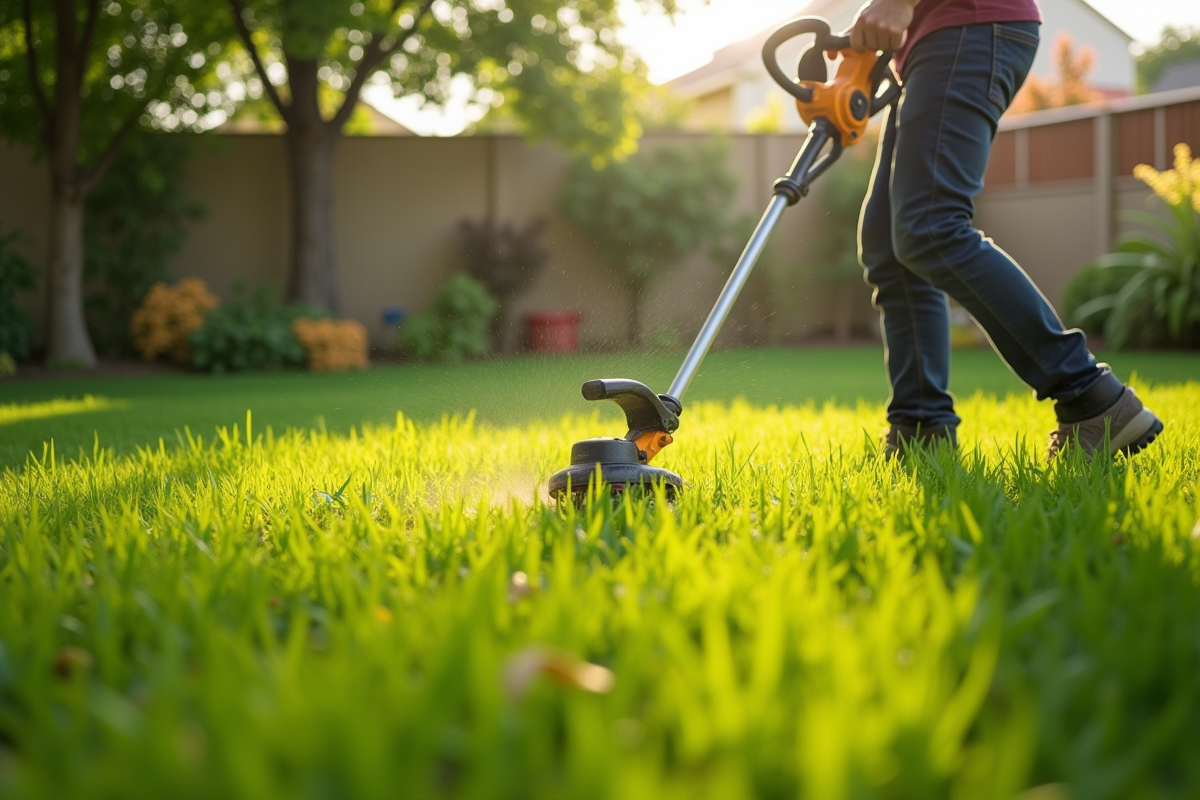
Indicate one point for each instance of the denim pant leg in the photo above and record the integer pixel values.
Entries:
(957, 83)
(913, 314)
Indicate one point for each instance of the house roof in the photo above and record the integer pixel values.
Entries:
(1178, 76)
(722, 69)
(726, 61)
(1105, 19)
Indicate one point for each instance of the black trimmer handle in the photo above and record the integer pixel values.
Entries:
(812, 62)
(825, 41)
(644, 410)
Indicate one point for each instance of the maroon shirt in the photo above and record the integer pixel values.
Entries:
(934, 15)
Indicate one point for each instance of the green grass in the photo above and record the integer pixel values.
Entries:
(133, 412)
(316, 614)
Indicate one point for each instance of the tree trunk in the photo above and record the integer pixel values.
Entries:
(311, 145)
(313, 275)
(67, 334)
(66, 329)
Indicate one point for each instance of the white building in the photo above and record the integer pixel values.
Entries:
(733, 88)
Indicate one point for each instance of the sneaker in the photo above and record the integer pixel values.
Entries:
(1127, 427)
(901, 438)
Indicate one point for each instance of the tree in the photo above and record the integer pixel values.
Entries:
(507, 260)
(1175, 46)
(1069, 86)
(555, 64)
(647, 213)
(76, 77)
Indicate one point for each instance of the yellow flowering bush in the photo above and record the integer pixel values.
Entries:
(167, 315)
(1151, 283)
(332, 345)
(1177, 187)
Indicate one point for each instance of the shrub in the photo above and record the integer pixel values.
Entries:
(647, 213)
(250, 332)
(16, 275)
(1091, 282)
(332, 345)
(167, 316)
(1158, 302)
(136, 220)
(506, 259)
(455, 325)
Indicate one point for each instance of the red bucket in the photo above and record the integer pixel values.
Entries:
(553, 331)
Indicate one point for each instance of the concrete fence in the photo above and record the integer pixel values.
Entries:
(1054, 187)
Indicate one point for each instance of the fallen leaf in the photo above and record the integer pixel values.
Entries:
(526, 666)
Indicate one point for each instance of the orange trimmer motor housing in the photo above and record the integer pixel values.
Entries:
(846, 100)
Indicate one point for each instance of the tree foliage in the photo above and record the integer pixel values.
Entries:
(146, 61)
(556, 66)
(1176, 45)
(647, 213)
(1068, 87)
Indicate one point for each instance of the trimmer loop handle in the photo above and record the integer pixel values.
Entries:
(825, 41)
(812, 75)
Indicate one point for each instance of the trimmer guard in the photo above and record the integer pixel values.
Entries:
(613, 462)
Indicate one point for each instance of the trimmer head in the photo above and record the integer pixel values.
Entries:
(613, 462)
(621, 464)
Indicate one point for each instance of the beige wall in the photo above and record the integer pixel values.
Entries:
(400, 199)
(1051, 229)
(712, 111)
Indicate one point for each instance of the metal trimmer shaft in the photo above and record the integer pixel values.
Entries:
(788, 190)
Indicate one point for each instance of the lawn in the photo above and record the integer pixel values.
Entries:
(384, 606)
(130, 412)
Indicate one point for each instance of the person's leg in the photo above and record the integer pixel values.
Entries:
(912, 313)
(957, 83)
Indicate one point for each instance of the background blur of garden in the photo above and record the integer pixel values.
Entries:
(204, 184)
(339, 572)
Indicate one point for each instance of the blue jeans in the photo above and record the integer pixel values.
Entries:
(917, 243)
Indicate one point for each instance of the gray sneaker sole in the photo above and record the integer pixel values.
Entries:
(1137, 434)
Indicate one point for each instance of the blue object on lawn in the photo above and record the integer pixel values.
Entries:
(393, 315)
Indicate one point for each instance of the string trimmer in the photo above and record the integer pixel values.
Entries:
(837, 113)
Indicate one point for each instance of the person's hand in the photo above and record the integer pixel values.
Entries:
(881, 24)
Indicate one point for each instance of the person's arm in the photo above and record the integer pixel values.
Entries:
(881, 24)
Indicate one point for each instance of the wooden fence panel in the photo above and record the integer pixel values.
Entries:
(1002, 166)
(1135, 140)
(1183, 125)
(1062, 152)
